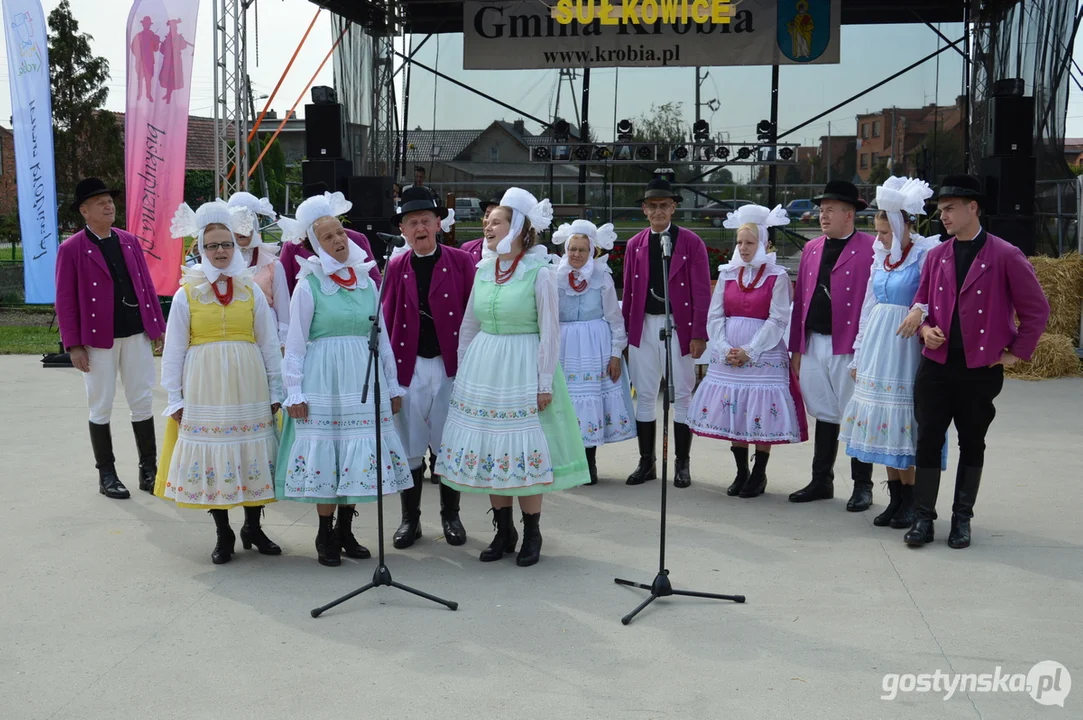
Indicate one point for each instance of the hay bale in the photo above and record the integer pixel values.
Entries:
(1054, 357)
(1062, 281)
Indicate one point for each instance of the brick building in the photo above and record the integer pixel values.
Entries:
(894, 135)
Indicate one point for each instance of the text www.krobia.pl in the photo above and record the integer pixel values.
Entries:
(600, 55)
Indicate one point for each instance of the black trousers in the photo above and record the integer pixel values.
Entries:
(953, 392)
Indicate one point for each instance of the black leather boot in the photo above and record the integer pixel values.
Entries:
(454, 532)
(826, 448)
(682, 441)
(344, 531)
(967, 480)
(926, 488)
(109, 485)
(252, 533)
(410, 529)
(904, 517)
(895, 493)
(592, 465)
(861, 499)
(740, 456)
(757, 481)
(530, 551)
(433, 477)
(223, 549)
(327, 544)
(506, 535)
(147, 447)
(646, 469)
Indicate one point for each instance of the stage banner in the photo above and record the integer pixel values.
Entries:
(161, 37)
(32, 121)
(526, 34)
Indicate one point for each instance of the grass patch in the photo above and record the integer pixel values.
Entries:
(27, 340)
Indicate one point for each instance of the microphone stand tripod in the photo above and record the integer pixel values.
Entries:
(661, 587)
(382, 576)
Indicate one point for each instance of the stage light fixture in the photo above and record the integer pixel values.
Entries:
(681, 152)
(541, 153)
(765, 131)
(561, 130)
(602, 152)
(744, 153)
(701, 131)
(625, 130)
(645, 152)
(581, 152)
(786, 153)
(722, 152)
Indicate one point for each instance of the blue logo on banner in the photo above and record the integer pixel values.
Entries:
(804, 28)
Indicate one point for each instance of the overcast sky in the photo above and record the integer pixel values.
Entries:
(869, 54)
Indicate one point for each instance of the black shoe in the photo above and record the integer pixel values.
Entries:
(410, 498)
(454, 532)
(895, 493)
(223, 549)
(327, 544)
(506, 535)
(344, 532)
(921, 533)
(967, 481)
(904, 516)
(926, 488)
(646, 469)
(826, 448)
(252, 533)
(740, 456)
(109, 485)
(682, 442)
(146, 446)
(861, 499)
(757, 481)
(592, 465)
(532, 541)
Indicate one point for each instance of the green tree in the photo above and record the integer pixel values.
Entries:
(88, 140)
(879, 174)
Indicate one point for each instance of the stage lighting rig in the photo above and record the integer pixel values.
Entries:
(701, 131)
(625, 130)
(561, 130)
(541, 153)
(581, 152)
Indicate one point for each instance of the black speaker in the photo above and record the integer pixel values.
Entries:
(1010, 185)
(1019, 230)
(369, 227)
(325, 131)
(372, 196)
(334, 174)
(1011, 125)
(321, 95)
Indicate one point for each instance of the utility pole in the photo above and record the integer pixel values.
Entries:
(828, 151)
(259, 144)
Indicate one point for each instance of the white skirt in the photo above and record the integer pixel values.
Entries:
(603, 407)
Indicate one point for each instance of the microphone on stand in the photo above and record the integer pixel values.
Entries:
(667, 244)
(392, 240)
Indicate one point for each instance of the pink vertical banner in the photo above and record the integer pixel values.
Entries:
(161, 40)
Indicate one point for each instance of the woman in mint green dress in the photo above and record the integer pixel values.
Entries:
(511, 430)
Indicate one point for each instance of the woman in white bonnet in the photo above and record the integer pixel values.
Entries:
(592, 338)
(269, 273)
(750, 395)
(221, 370)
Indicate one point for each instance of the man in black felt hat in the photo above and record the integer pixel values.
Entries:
(830, 288)
(973, 287)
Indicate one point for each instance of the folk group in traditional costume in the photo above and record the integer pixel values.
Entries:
(507, 369)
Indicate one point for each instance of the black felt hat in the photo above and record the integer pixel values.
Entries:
(967, 187)
(491, 202)
(88, 188)
(658, 189)
(843, 191)
(417, 198)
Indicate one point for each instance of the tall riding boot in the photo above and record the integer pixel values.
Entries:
(532, 541)
(904, 516)
(109, 485)
(592, 465)
(147, 447)
(344, 531)
(223, 549)
(740, 456)
(682, 441)
(433, 477)
(895, 492)
(327, 545)
(454, 532)
(926, 488)
(967, 480)
(646, 469)
(410, 529)
(252, 533)
(861, 499)
(506, 535)
(822, 486)
(757, 481)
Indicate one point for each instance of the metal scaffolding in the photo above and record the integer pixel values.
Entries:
(231, 98)
(382, 149)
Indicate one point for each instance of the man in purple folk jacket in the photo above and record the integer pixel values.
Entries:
(689, 286)
(972, 288)
(425, 295)
(828, 294)
(109, 315)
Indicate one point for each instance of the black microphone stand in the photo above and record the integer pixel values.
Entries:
(382, 576)
(661, 587)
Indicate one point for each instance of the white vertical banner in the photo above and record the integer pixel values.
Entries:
(32, 118)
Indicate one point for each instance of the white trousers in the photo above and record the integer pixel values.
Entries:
(647, 365)
(825, 379)
(424, 409)
(133, 358)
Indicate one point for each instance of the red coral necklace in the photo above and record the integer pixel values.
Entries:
(889, 266)
(349, 282)
(227, 297)
(755, 280)
(503, 276)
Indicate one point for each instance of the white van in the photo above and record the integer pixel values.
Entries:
(467, 208)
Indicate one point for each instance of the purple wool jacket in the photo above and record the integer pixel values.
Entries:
(449, 291)
(849, 280)
(84, 291)
(1000, 285)
(689, 286)
(474, 248)
(291, 252)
